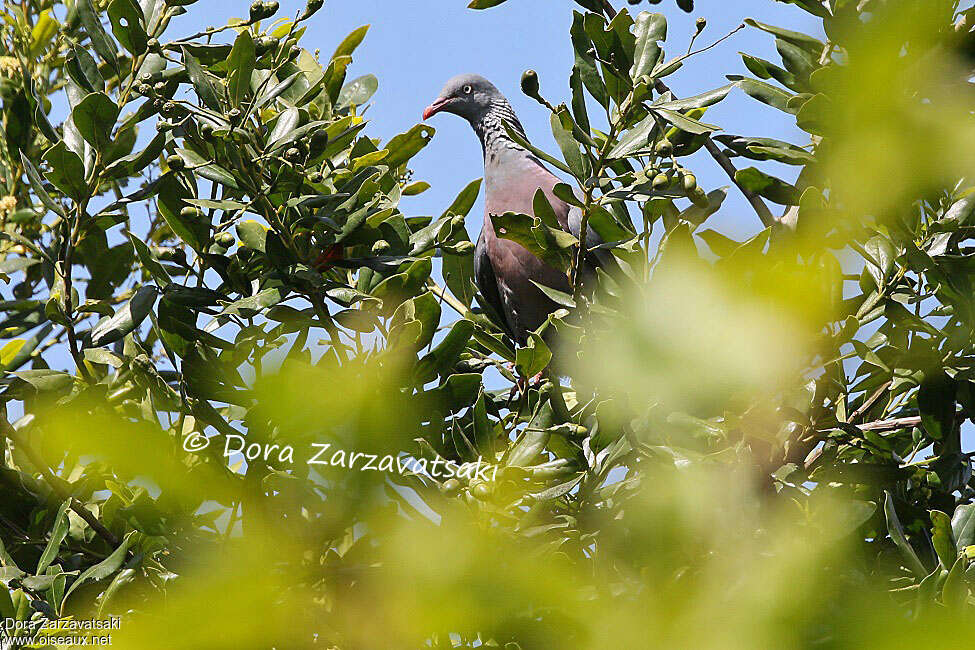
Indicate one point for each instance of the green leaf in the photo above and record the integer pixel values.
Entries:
(127, 25)
(206, 88)
(804, 41)
(552, 246)
(579, 100)
(138, 160)
(936, 403)
(357, 92)
(406, 145)
(556, 296)
(253, 234)
(46, 380)
(172, 195)
(58, 532)
(156, 270)
(100, 40)
(570, 148)
(126, 319)
(880, 259)
(527, 448)
(43, 32)
(815, 114)
(767, 186)
(896, 532)
(685, 123)
(963, 526)
(10, 351)
(425, 310)
(95, 119)
(67, 172)
(401, 286)
(638, 137)
(519, 138)
(285, 124)
(103, 356)
(253, 305)
(941, 537)
(462, 205)
(720, 245)
(698, 214)
(698, 101)
(954, 594)
(241, 64)
(797, 60)
(534, 357)
(38, 187)
(814, 7)
(207, 169)
(584, 61)
(350, 42)
(442, 358)
(649, 29)
(484, 4)
(106, 567)
(766, 93)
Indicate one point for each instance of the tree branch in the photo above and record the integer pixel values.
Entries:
(608, 8)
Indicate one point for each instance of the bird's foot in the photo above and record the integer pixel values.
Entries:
(525, 384)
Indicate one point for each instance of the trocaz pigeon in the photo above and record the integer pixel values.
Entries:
(503, 269)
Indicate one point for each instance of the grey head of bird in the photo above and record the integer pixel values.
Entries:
(470, 96)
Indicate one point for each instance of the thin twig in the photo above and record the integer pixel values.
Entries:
(441, 293)
(868, 404)
(890, 425)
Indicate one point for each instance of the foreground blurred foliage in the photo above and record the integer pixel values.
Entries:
(216, 312)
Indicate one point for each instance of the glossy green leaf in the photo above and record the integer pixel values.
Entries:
(95, 119)
(767, 186)
(66, 172)
(126, 319)
(650, 28)
(241, 64)
(127, 25)
(57, 534)
(206, 86)
(100, 40)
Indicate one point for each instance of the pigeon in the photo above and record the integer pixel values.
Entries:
(504, 271)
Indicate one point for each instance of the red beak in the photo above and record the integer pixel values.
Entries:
(435, 107)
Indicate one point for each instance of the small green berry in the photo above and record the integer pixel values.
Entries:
(529, 83)
(225, 239)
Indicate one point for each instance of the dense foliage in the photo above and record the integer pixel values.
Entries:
(760, 445)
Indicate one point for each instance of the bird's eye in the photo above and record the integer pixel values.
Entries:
(467, 90)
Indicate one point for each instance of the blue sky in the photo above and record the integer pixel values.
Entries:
(414, 46)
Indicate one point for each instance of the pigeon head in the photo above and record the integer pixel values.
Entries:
(470, 96)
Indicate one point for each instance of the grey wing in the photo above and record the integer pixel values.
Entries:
(487, 284)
